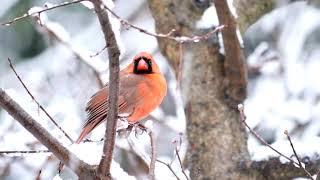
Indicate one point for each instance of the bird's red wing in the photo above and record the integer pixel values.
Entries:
(97, 107)
(97, 110)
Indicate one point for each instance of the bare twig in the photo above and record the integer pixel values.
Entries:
(39, 105)
(113, 53)
(169, 167)
(180, 162)
(178, 143)
(8, 23)
(169, 35)
(153, 155)
(296, 155)
(176, 150)
(255, 134)
(98, 52)
(25, 152)
(82, 169)
(274, 168)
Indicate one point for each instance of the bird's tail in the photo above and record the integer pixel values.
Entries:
(88, 128)
(85, 131)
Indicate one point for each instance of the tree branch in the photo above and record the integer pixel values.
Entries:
(25, 152)
(169, 167)
(113, 53)
(82, 169)
(153, 155)
(170, 35)
(296, 155)
(8, 23)
(234, 63)
(274, 169)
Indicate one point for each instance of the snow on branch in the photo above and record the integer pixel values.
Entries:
(82, 169)
(38, 11)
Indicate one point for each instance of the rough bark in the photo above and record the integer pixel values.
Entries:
(217, 139)
(275, 169)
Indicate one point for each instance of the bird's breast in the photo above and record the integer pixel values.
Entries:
(151, 91)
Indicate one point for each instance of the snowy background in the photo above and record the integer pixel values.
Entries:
(283, 91)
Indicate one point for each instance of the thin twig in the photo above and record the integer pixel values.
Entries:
(8, 23)
(25, 152)
(169, 35)
(180, 162)
(98, 52)
(39, 105)
(153, 155)
(178, 156)
(169, 167)
(113, 54)
(296, 155)
(255, 134)
(293, 149)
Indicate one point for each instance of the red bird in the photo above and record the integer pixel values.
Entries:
(142, 89)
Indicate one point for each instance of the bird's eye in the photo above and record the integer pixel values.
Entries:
(150, 63)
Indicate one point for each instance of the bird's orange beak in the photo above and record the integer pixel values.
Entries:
(142, 65)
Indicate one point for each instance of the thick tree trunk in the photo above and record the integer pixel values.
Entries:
(217, 139)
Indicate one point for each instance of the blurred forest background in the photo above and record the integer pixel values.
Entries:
(58, 63)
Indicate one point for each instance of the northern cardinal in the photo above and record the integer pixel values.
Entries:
(142, 89)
